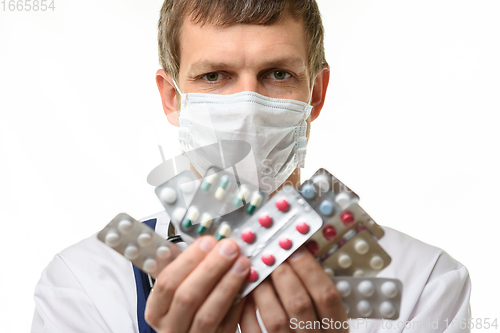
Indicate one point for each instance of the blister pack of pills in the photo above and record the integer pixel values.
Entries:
(338, 206)
(378, 298)
(274, 232)
(138, 243)
(330, 198)
(328, 195)
(221, 204)
(341, 225)
(357, 254)
(177, 193)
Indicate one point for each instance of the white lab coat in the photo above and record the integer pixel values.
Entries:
(88, 287)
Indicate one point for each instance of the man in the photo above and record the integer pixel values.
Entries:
(256, 52)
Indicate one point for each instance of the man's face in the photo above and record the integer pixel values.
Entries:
(270, 60)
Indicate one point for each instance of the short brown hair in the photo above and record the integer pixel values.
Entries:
(226, 12)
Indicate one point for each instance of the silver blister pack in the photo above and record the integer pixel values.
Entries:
(338, 206)
(328, 195)
(378, 298)
(351, 219)
(331, 200)
(221, 203)
(274, 232)
(177, 193)
(138, 243)
(356, 254)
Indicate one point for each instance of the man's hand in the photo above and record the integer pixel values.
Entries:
(195, 292)
(299, 292)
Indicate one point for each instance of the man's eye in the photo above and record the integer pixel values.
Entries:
(280, 75)
(211, 76)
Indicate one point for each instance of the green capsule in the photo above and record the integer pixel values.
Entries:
(222, 187)
(192, 215)
(208, 181)
(250, 209)
(223, 232)
(187, 223)
(242, 195)
(256, 199)
(201, 229)
(206, 220)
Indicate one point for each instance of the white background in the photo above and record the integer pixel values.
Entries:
(410, 124)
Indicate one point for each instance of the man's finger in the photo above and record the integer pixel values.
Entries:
(293, 296)
(248, 321)
(212, 311)
(230, 323)
(198, 284)
(271, 311)
(171, 277)
(319, 285)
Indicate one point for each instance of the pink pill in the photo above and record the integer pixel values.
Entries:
(268, 259)
(302, 227)
(347, 218)
(329, 232)
(285, 243)
(253, 275)
(248, 236)
(282, 205)
(265, 220)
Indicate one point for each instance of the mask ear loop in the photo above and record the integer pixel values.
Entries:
(173, 117)
(311, 95)
(179, 91)
(309, 108)
(312, 90)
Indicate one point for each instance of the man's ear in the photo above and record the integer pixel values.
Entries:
(319, 91)
(168, 96)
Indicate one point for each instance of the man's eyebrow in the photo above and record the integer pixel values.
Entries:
(286, 61)
(278, 62)
(295, 65)
(209, 65)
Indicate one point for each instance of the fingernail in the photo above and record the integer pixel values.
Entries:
(228, 249)
(241, 266)
(207, 244)
(297, 254)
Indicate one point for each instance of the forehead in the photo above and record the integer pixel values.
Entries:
(242, 45)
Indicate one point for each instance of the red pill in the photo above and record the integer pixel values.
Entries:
(329, 233)
(347, 218)
(268, 259)
(302, 227)
(313, 247)
(282, 205)
(253, 275)
(248, 236)
(265, 221)
(285, 243)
